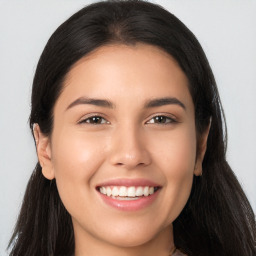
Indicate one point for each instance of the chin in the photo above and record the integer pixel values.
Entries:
(135, 236)
(131, 240)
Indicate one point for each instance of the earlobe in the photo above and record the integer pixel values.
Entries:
(198, 171)
(202, 146)
(43, 148)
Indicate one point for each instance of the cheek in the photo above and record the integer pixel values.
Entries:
(176, 159)
(175, 151)
(76, 158)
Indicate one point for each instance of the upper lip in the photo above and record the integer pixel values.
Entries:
(129, 183)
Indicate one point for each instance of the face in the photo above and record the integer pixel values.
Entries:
(123, 146)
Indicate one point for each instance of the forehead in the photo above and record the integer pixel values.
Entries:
(127, 57)
(118, 71)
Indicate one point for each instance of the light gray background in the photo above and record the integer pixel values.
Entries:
(226, 30)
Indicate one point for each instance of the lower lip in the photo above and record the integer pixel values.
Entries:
(130, 205)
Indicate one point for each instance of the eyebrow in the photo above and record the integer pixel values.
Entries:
(91, 101)
(106, 103)
(164, 101)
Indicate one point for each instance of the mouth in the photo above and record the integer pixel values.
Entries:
(127, 193)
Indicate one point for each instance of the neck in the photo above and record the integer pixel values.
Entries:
(87, 245)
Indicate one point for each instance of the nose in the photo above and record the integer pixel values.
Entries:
(129, 149)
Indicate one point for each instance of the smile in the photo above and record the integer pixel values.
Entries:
(127, 193)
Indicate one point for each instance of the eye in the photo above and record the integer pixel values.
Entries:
(161, 120)
(95, 120)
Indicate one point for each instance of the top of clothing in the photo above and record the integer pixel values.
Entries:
(178, 253)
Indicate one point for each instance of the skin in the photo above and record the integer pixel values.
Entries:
(128, 142)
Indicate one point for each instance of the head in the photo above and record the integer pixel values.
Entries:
(80, 50)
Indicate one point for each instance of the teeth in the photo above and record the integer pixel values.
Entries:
(109, 191)
(127, 193)
(139, 191)
(115, 191)
(151, 190)
(103, 190)
(146, 191)
(126, 198)
(131, 192)
(122, 191)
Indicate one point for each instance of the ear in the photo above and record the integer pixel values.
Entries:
(201, 149)
(43, 148)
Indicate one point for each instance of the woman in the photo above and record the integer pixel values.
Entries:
(127, 123)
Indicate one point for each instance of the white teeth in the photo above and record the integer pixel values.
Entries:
(139, 191)
(151, 190)
(127, 192)
(115, 191)
(146, 191)
(109, 191)
(123, 191)
(103, 190)
(127, 198)
(131, 192)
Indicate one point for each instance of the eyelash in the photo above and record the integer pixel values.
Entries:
(92, 118)
(167, 120)
(161, 119)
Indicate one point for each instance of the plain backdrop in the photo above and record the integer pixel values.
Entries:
(226, 30)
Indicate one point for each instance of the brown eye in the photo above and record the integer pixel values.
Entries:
(161, 120)
(94, 120)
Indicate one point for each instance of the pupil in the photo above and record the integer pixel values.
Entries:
(160, 119)
(96, 120)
